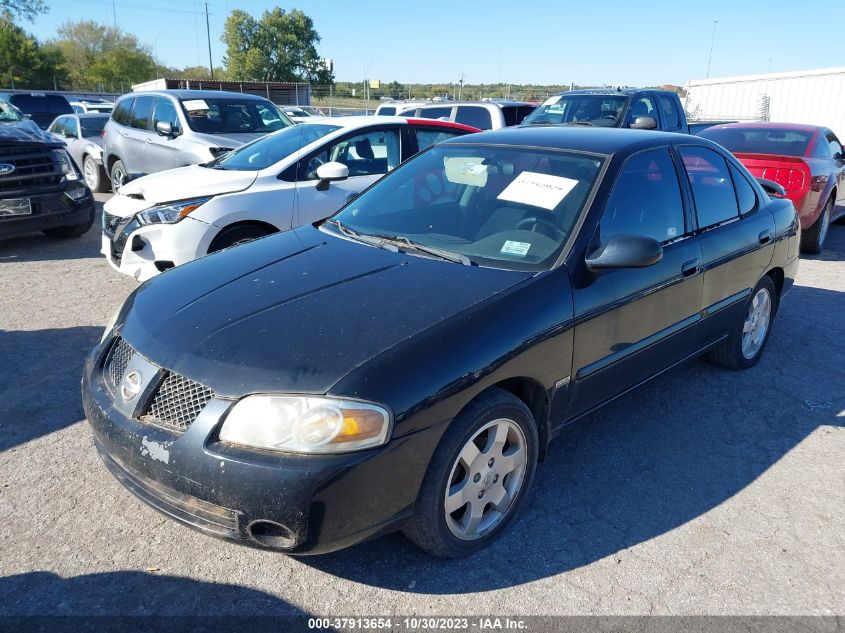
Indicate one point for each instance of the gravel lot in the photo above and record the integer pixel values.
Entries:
(706, 492)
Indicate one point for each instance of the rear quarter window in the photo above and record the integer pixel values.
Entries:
(120, 114)
(474, 116)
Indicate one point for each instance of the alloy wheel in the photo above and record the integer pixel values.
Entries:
(756, 323)
(92, 175)
(485, 479)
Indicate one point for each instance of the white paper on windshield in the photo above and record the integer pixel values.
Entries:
(552, 100)
(520, 249)
(465, 171)
(538, 190)
(195, 104)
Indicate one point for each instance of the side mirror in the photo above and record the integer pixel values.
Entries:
(775, 190)
(164, 128)
(644, 123)
(329, 172)
(626, 251)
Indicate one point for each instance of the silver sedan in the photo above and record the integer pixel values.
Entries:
(82, 135)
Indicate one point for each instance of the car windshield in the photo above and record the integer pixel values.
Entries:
(233, 116)
(499, 207)
(778, 141)
(10, 113)
(272, 148)
(596, 110)
(92, 126)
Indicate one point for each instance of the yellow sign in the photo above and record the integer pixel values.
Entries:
(375, 83)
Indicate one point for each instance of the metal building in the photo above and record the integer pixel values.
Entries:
(816, 97)
(282, 93)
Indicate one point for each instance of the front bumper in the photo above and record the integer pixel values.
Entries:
(143, 252)
(50, 209)
(292, 503)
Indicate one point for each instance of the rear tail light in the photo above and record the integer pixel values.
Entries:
(790, 178)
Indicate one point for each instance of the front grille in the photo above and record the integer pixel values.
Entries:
(110, 223)
(119, 356)
(177, 402)
(35, 167)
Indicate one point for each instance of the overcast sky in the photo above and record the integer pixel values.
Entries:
(489, 41)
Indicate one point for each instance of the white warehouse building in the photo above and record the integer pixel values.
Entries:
(816, 97)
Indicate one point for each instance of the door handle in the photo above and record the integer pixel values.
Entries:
(148, 141)
(765, 236)
(691, 267)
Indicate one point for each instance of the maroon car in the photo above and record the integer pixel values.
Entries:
(806, 160)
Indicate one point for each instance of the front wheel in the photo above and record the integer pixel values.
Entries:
(748, 337)
(236, 235)
(478, 478)
(812, 240)
(118, 175)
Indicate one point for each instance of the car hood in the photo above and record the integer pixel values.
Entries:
(295, 312)
(187, 182)
(228, 140)
(26, 132)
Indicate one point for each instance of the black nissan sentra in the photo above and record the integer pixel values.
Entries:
(405, 363)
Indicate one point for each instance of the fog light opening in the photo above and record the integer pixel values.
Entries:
(271, 534)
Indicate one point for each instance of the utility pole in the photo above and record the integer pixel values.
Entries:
(712, 41)
(461, 86)
(114, 13)
(208, 33)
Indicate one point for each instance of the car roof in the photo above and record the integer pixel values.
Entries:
(495, 104)
(89, 115)
(768, 125)
(602, 91)
(362, 121)
(195, 94)
(596, 140)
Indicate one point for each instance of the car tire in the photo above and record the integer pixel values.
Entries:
(465, 462)
(94, 175)
(117, 175)
(748, 337)
(75, 230)
(812, 240)
(235, 235)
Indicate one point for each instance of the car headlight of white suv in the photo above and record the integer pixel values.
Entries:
(169, 212)
(299, 424)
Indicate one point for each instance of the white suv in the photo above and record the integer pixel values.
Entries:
(295, 176)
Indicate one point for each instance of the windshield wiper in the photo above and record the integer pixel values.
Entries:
(372, 240)
(450, 256)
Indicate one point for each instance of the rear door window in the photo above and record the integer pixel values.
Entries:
(711, 184)
(475, 116)
(426, 137)
(435, 113)
(645, 200)
(389, 111)
(142, 113)
(121, 112)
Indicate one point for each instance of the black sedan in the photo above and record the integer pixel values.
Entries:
(404, 364)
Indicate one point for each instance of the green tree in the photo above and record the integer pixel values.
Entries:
(27, 9)
(281, 46)
(198, 73)
(103, 56)
(24, 63)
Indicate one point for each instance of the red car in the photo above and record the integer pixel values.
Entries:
(806, 160)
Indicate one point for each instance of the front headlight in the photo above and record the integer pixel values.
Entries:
(297, 424)
(69, 170)
(170, 212)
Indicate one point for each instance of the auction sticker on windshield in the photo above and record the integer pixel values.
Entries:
(538, 190)
(466, 171)
(195, 104)
(520, 249)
